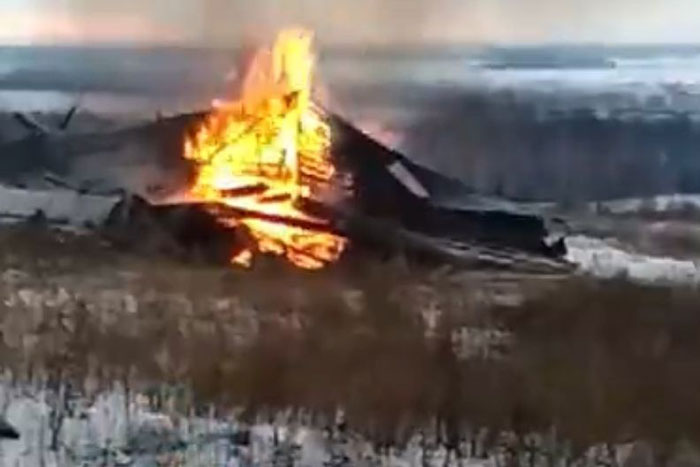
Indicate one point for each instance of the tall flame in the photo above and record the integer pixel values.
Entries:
(267, 151)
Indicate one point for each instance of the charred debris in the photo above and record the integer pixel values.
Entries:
(396, 207)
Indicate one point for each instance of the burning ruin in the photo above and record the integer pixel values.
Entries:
(268, 173)
(266, 151)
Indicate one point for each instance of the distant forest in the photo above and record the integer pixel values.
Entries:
(506, 147)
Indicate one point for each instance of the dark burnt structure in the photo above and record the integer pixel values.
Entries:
(394, 206)
(388, 186)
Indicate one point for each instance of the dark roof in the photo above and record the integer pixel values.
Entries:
(365, 154)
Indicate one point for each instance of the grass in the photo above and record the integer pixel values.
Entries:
(598, 362)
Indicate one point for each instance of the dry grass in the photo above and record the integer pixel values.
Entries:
(600, 362)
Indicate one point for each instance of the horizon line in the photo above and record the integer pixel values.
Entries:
(370, 47)
(135, 45)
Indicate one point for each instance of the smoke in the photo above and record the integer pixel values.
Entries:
(340, 21)
(227, 22)
(380, 131)
(444, 21)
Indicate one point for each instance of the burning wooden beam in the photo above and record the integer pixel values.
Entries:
(225, 211)
(248, 190)
(275, 198)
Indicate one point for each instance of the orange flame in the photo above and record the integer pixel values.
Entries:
(269, 150)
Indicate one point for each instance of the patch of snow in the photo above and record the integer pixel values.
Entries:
(601, 259)
(114, 430)
(657, 203)
(59, 206)
(314, 450)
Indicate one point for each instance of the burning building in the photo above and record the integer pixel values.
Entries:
(295, 175)
(290, 179)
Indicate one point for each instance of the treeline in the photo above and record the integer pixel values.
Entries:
(501, 145)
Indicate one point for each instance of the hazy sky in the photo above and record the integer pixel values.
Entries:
(225, 22)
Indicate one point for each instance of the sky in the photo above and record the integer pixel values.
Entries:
(228, 22)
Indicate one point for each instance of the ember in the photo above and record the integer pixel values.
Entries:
(266, 152)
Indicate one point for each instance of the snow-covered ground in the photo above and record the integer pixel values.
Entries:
(60, 206)
(117, 431)
(602, 258)
(661, 203)
(114, 430)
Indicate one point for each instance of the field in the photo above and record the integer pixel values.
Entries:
(111, 356)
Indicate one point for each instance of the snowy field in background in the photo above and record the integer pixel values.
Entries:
(602, 259)
(127, 81)
(654, 204)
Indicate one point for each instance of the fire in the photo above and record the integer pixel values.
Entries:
(268, 151)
